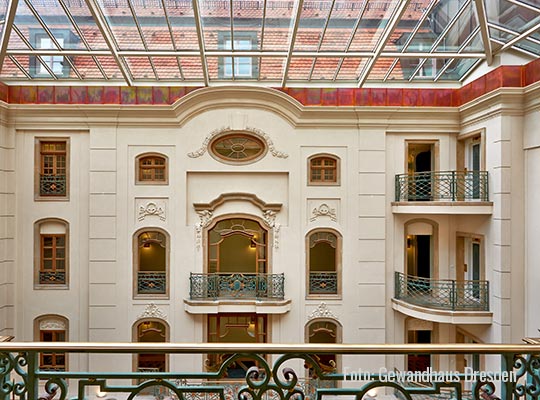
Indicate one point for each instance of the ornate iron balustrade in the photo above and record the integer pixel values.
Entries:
(323, 282)
(279, 373)
(443, 294)
(52, 185)
(52, 277)
(442, 186)
(236, 286)
(151, 282)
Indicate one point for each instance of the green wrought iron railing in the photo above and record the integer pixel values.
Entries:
(151, 282)
(237, 286)
(443, 294)
(52, 277)
(442, 186)
(52, 185)
(279, 372)
(323, 282)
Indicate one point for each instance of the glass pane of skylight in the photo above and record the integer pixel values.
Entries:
(311, 26)
(511, 16)
(10, 70)
(140, 67)
(87, 67)
(15, 41)
(271, 68)
(380, 68)
(122, 24)
(85, 23)
(216, 23)
(299, 68)
(167, 68)
(341, 24)
(278, 25)
(247, 21)
(412, 15)
(372, 26)
(151, 18)
(192, 68)
(325, 68)
(528, 45)
(458, 68)
(182, 20)
(110, 67)
(351, 68)
(460, 31)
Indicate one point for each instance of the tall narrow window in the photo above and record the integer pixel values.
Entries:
(238, 67)
(328, 332)
(152, 168)
(323, 170)
(323, 255)
(151, 331)
(51, 258)
(151, 264)
(52, 328)
(53, 168)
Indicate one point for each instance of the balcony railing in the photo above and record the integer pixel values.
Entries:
(151, 282)
(52, 185)
(236, 286)
(442, 186)
(323, 282)
(52, 277)
(443, 294)
(280, 372)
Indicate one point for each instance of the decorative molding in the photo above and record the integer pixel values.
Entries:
(226, 129)
(237, 196)
(151, 209)
(322, 311)
(415, 324)
(323, 210)
(269, 217)
(152, 311)
(205, 216)
(52, 325)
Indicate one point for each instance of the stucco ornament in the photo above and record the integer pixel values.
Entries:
(52, 325)
(322, 311)
(269, 217)
(223, 130)
(205, 216)
(151, 209)
(152, 311)
(323, 210)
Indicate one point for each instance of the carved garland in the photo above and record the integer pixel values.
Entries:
(152, 311)
(257, 132)
(322, 311)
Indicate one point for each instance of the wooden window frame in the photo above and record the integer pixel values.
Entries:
(54, 366)
(338, 262)
(139, 180)
(54, 249)
(335, 181)
(136, 263)
(39, 255)
(40, 155)
(56, 325)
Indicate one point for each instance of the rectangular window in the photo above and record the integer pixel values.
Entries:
(53, 168)
(53, 259)
(55, 63)
(46, 66)
(238, 67)
(52, 361)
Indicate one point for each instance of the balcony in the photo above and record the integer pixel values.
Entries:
(151, 282)
(323, 282)
(446, 300)
(280, 373)
(211, 293)
(52, 185)
(442, 192)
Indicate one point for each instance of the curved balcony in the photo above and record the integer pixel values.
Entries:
(442, 192)
(442, 300)
(237, 292)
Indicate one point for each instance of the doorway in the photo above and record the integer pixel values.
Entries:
(420, 164)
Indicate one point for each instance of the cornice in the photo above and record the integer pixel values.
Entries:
(532, 98)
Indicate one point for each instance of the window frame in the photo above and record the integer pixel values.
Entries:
(65, 39)
(39, 168)
(338, 264)
(136, 263)
(324, 182)
(39, 254)
(154, 167)
(57, 323)
(236, 134)
(223, 61)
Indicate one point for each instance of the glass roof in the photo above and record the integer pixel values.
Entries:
(269, 42)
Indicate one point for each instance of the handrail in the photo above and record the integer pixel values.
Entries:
(442, 186)
(236, 285)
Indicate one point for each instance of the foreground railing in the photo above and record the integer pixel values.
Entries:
(277, 373)
(236, 286)
(444, 294)
(442, 186)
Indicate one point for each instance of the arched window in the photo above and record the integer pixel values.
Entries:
(323, 170)
(152, 169)
(237, 245)
(151, 331)
(328, 332)
(51, 328)
(323, 259)
(51, 250)
(151, 263)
